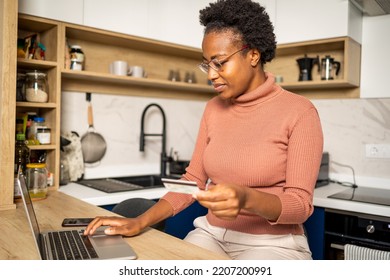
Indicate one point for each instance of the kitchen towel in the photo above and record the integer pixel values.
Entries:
(353, 252)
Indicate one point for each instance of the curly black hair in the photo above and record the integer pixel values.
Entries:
(244, 18)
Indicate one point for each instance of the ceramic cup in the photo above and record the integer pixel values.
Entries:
(279, 79)
(119, 67)
(137, 71)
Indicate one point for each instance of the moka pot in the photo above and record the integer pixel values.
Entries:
(305, 67)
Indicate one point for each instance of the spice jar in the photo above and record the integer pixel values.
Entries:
(76, 58)
(36, 87)
(36, 176)
(43, 135)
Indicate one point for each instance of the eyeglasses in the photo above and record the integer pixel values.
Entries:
(216, 64)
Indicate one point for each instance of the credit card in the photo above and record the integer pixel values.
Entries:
(180, 186)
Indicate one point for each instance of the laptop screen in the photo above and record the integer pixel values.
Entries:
(106, 247)
(32, 219)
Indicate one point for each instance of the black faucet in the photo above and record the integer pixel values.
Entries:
(164, 159)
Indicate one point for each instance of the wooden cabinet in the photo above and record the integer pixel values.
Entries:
(8, 38)
(342, 49)
(48, 33)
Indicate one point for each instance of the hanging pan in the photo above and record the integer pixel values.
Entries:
(93, 144)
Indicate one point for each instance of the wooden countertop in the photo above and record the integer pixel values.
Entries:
(16, 241)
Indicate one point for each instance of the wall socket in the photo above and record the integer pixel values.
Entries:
(377, 150)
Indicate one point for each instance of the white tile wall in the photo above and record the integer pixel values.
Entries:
(348, 125)
(118, 119)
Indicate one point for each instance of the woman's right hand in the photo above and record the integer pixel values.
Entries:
(117, 226)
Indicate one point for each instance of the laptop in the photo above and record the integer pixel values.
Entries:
(72, 244)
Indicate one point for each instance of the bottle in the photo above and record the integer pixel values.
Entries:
(77, 58)
(22, 158)
(19, 126)
(30, 120)
(38, 122)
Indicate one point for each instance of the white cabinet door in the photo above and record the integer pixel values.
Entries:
(69, 11)
(302, 20)
(175, 21)
(375, 71)
(124, 16)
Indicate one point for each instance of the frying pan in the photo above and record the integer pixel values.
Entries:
(93, 144)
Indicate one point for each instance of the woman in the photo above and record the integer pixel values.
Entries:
(258, 149)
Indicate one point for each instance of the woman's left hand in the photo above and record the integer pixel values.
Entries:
(224, 200)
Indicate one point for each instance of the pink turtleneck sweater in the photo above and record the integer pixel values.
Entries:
(269, 140)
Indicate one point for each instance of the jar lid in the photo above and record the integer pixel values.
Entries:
(43, 129)
(39, 119)
(36, 165)
(36, 74)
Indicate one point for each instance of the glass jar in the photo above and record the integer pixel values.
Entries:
(75, 64)
(43, 135)
(36, 176)
(77, 58)
(36, 87)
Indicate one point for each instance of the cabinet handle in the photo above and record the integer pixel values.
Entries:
(337, 246)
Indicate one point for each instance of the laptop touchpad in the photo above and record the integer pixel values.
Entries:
(105, 240)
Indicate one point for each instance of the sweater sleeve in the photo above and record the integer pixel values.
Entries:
(194, 172)
(304, 155)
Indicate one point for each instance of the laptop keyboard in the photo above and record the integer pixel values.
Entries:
(69, 245)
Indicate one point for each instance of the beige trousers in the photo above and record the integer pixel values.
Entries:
(242, 246)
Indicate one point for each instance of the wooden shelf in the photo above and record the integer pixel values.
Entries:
(74, 80)
(318, 85)
(42, 147)
(48, 105)
(110, 38)
(158, 58)
(342, 49)
(36, 64)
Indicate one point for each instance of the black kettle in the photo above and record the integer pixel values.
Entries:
(305, 67)
(329, 68)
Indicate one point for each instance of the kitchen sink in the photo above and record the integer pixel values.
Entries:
(124, 184)
(142, 180)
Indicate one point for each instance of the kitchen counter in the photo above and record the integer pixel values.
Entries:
(100, 198)
(321, 199)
